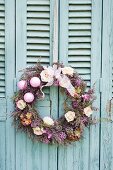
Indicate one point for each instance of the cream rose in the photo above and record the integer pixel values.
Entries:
(68, 70)
(88, 111)
(38, 131)
(70, 116)
(47, 74)
(21, 104)
(48, 121)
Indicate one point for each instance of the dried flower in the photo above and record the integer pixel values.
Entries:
(29, 115)
(62, 135)
(69, 130)
(68, 71)
(21, 116)
(74, 104)
(77, 133)
(47, 75)
(26, 122)
(38, 131)
(46, 140)
(78, 82)
(78, 90)
(21, 104)
(70, 116)
(35, 123)
(86, 97)
(48, 121)
(84, 120)
(88, 111)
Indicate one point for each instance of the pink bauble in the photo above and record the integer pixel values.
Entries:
(35, 82)
(29, 97)
(22, 85)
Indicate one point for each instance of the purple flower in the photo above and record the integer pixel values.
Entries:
(62, 135)
(35, 123)
(90, 91)
(86, 97)
(84, 120)
(74, 104)
(49, 133)
(78, 82)
(49, 136)
(45, 140)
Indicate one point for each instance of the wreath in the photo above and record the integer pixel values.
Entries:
(77, 104)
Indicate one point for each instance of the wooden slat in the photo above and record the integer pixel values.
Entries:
(36, 21)
(38, 8)
(79, 20)
(36, 34)
(38, 15)
(39, 2)
(76, 14)
(81, 2)
(81, 7)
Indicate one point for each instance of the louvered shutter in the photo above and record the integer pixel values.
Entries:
(77, 49)
(2, 53)
(34, 37)
(79, 42)
(6, 83)
(2, 85)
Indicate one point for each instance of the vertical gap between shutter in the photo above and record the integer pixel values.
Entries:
(101, 90)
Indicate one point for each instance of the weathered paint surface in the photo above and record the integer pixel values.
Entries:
(79, 33)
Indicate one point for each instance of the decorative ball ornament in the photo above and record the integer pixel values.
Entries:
(35, 82)
(22, 85)
(77, 104)
(29, 97)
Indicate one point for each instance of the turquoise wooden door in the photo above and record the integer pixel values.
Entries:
(80, 47)
(76, 33)
(34, 41)
(106, 137)
(7, 74)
